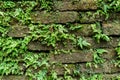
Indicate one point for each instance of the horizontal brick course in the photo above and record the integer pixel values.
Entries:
(75, 5)
(111, 27)
(81, 56)
(105, 68)
(54, 17)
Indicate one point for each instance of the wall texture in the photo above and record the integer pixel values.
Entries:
(74, 13)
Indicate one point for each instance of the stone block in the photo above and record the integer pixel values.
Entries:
(103, 44)
(79, 56)
(111, 27)
(54, 17)
(90, 17)
(18, 31)
(75, 5)
(85, 30)
(14, 77)
(74, 57)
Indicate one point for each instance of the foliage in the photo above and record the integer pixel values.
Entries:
(50, 34)
(108, 6)
(97, 55)
(82, 43)
(14, 51)
(117, 49)
(92, 77)
(73, 27)
(98, 35)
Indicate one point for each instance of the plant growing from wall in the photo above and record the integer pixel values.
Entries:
(50, 34)
(117, 49)
(107, 6)
(92, 77)
(97, 56)
(98, 35)
(82, 43)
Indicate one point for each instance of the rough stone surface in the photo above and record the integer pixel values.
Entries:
(54, 17)
(106, 68)
(37, 46)
(85, 30)
(75, 5)
(111, 76)
(22, 31)
(74, 57)
(111, 27)
(18, 31)
(14, 77)
(81, 56)
(104, 44)
(90, 17)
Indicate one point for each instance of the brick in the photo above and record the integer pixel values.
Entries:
(61, 69)
(114, 16)
(22, 31)
(103, 44)
(111, 27)
(14, 77)
(18, 31)
(80, 56)
(105, 68)
(90, 17)
(86, 30)
(37, 46)
(110, 54)
(74, 57)
(75, 5)
(54, 17)
(111, 76)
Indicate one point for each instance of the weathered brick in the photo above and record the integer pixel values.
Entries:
(104, 44)
(75, 5)
(80, 56)
(85, 30)
(90, 17)
(111, 27)
(54, 17)
(21, 31)
(106, 68)
(37, 46)
(110, 54)
(14, 77)
(111, 76)
(77, 56)
(18, 31)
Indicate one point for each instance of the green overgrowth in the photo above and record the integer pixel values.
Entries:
(17, 59)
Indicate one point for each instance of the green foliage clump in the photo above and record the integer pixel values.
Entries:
(98, 35)
(97, 55)
(82, 43)
(50, 34)
(108, 6)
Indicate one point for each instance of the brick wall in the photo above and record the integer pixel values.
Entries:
(83, 13)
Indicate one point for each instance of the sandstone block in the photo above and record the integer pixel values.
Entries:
(75, 5)
(111, 27)
(54, 17)
(18, 31)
